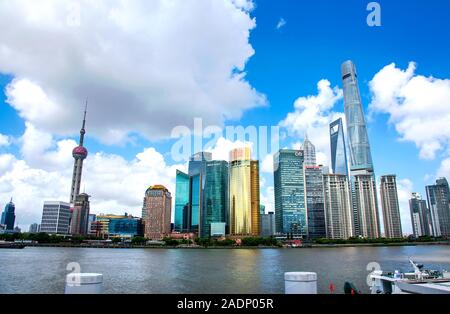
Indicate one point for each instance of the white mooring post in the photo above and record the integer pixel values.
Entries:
(300, 283)
(78, 283)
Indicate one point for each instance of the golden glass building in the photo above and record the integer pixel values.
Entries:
(244, 193)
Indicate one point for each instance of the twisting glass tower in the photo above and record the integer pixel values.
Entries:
(79, 153)
(364, 192)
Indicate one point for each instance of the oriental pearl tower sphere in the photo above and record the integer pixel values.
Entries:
(79, 153)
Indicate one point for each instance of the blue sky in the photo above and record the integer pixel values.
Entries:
(287, 64)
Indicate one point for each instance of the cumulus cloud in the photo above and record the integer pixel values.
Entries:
(146, 66)
(444, 169)
(312, 115)
(418, 106)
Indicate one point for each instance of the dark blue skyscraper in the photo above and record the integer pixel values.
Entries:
(182, 212)
(289, 181)
(338, 150)
(9, 216)
(215, 197)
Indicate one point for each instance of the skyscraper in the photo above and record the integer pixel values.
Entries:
(367, 216)
(268, 224)
(364, 192)
(358, 140)
(79, 154)
(215, 197)
(390, 207)
(338, 150)
(244, 193)
(289, 186)
(9, 216)
(79, 222)
(182, 205)
(438, 196)
(310, 152)
(338, 208)
(34, 228)
(197, 169)
(315, 202)
(158, 204)
(420, 216)
(55, 218)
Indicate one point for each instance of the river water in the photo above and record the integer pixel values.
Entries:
(227, 271)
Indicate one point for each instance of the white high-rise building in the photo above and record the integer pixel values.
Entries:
(309, 152)
(55, 218)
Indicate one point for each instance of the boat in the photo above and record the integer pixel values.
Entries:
(11, 245)
(421, 281)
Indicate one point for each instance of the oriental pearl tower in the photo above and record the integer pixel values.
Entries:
(79, 154)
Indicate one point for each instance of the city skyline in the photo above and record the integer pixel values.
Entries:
(35, 150)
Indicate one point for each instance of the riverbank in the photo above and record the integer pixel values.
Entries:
(305, 246)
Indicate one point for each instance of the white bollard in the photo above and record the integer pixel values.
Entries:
(78, 283)
(300, 283)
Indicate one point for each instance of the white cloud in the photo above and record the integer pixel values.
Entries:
(4, 140)
(444, 169)
(146, 66)
(281, 23)
(312, 115)
(223, 147)
(418, 106)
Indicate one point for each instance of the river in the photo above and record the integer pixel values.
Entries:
(192, 271)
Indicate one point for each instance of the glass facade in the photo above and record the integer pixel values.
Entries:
(315, 202)
(181, 202)
(215, 209)
(289, 185)
(358, 140)
(244, 193)
(338, 151)
(56, 218)
(125, 227)
(439, 204)
(310, 152)
(9, 216)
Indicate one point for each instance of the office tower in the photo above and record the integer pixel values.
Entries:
(438, 196)
(79, 222)
(268, 225)
(314, 202)
(55, 218)
(365, 197)
(9, 216)
(338, 150)
(420, 216)
(289, 187)
(34, 228)
(390, 207)
(158, 202)
(79, 154)
(196, 171)
(309, 152)
(365, 205)
(182, 205)
(244, 193)
(215, 197)
(125, 226)
(338, 208)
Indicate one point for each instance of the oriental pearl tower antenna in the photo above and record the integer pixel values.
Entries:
(79, 154)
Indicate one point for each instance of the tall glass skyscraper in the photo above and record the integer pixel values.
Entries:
(289, 184)
(364, 192)
(215, 209)
(182, 213)
(439, 204)
(244, 193)
(315, 202)
(338, 150)
(309, 151)
(358, 140)
(9, 216)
